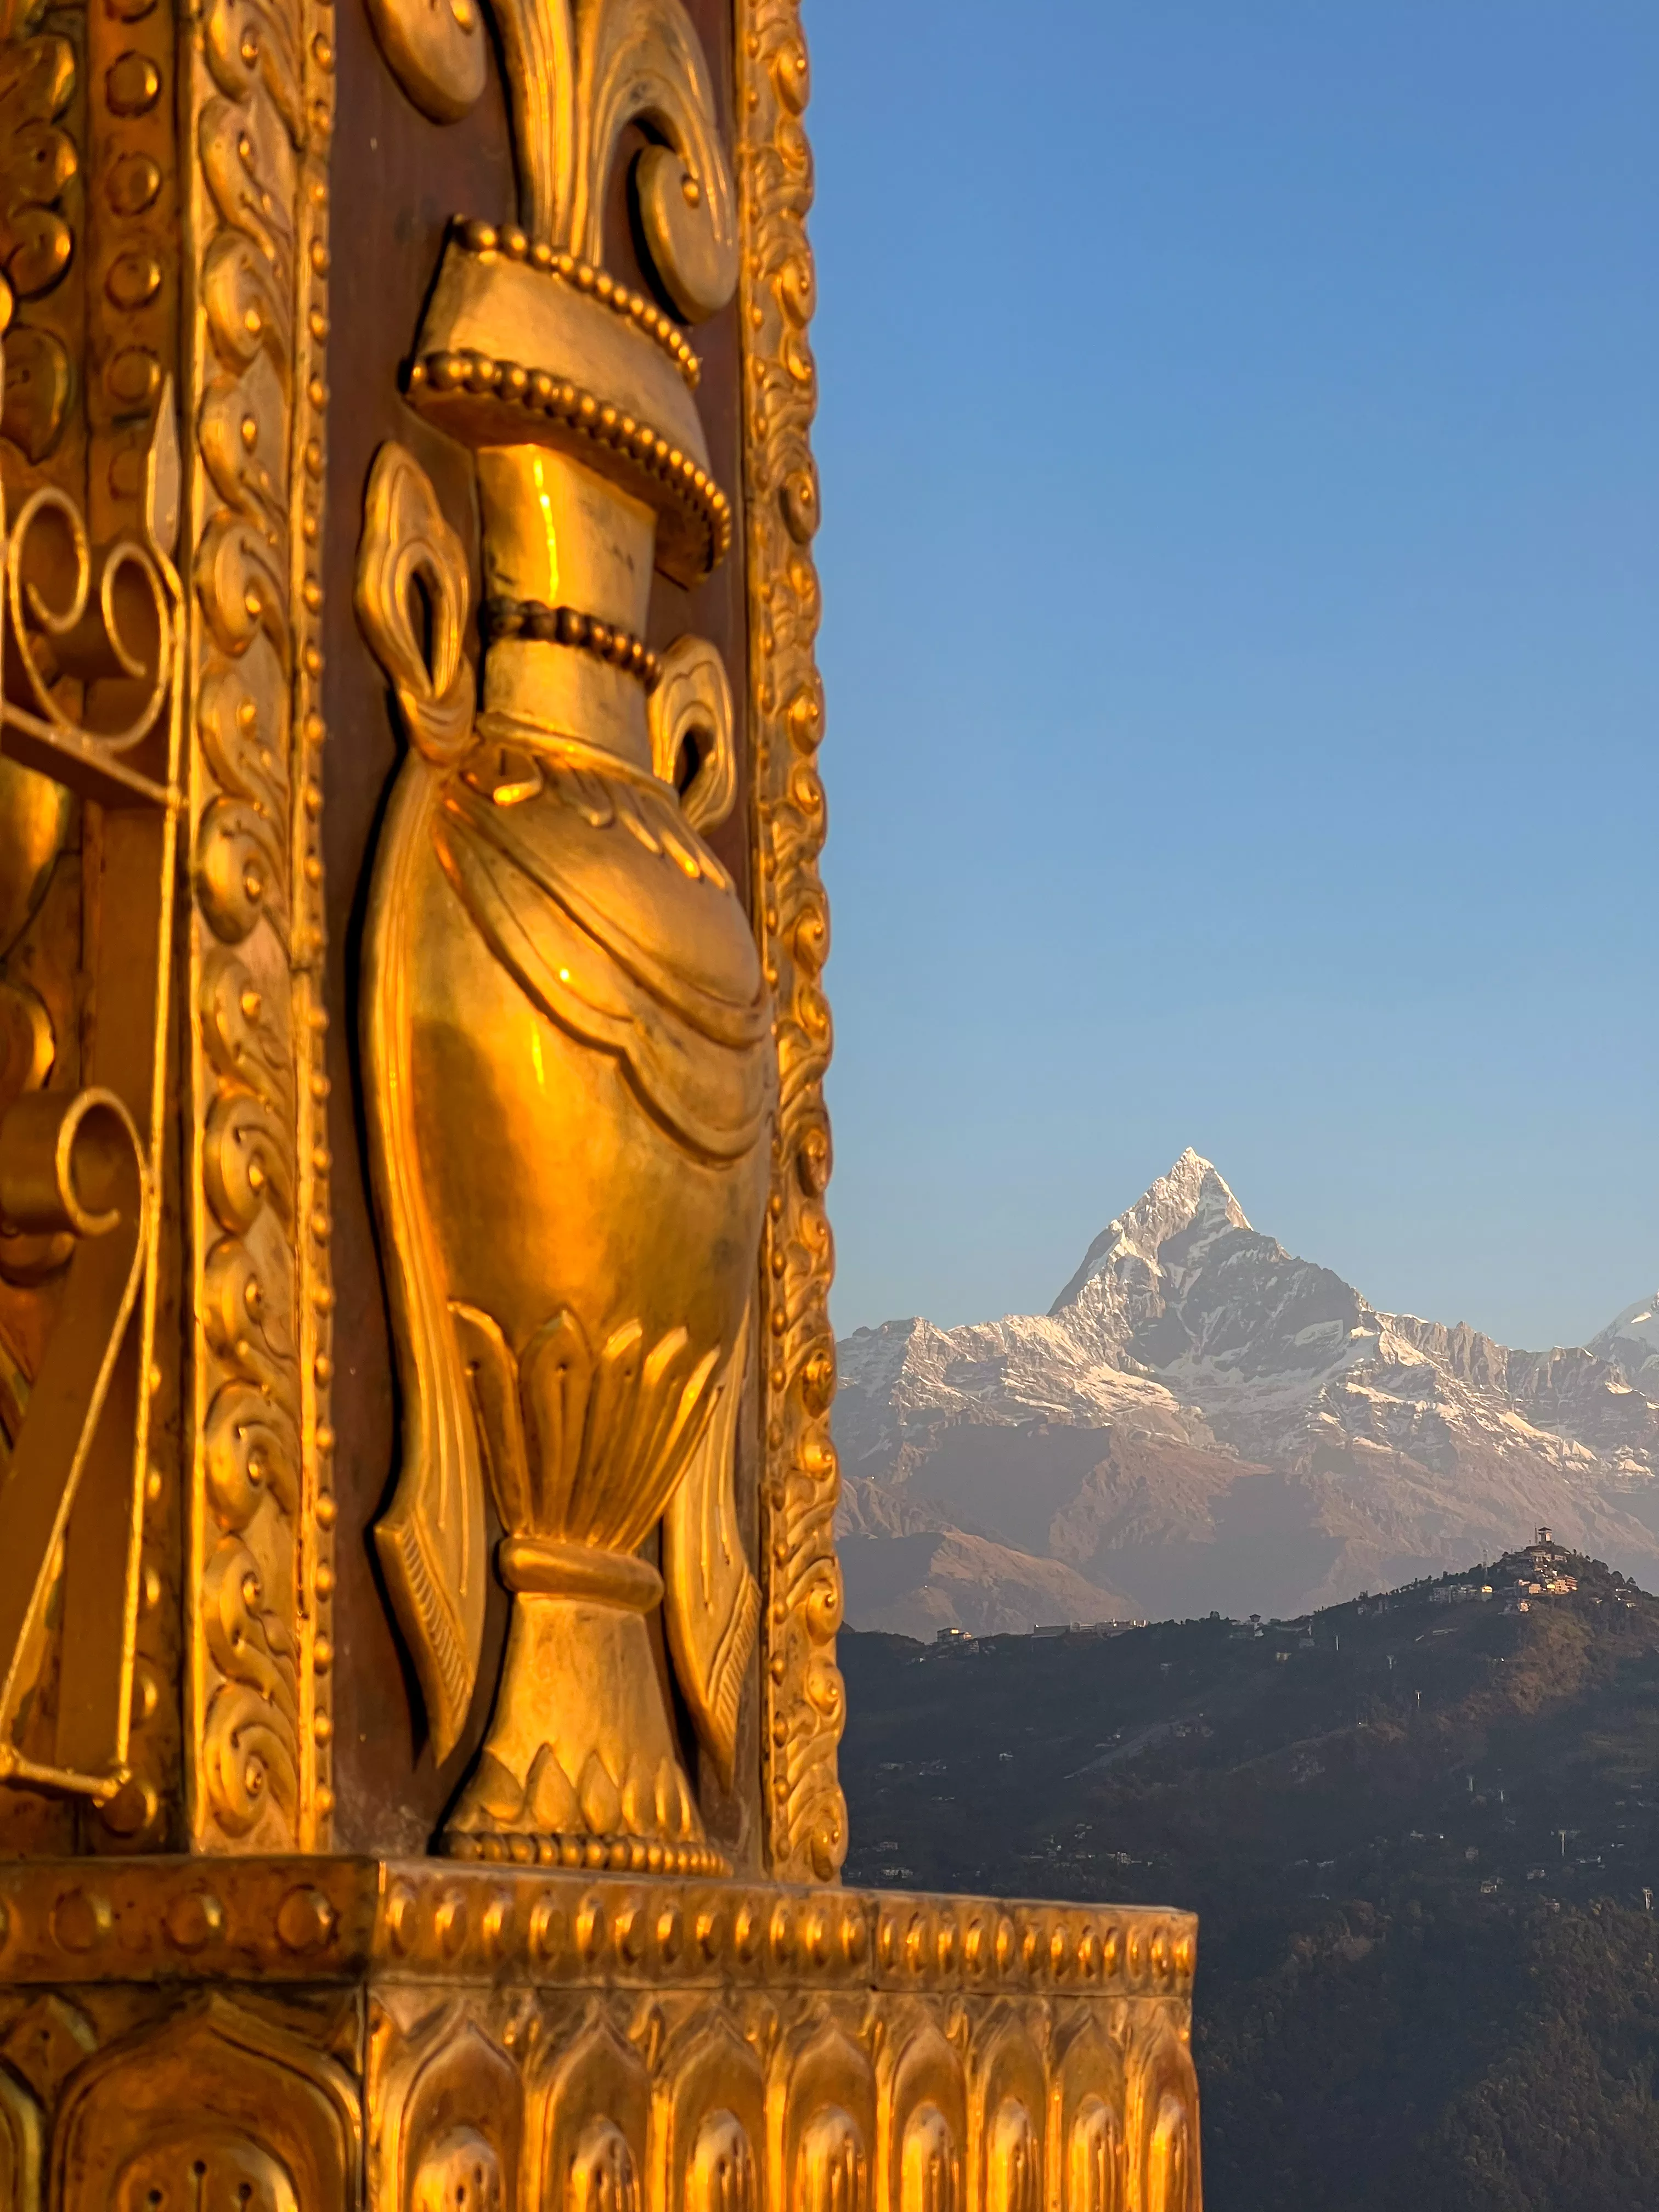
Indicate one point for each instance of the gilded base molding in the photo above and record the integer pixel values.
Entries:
(333, 2031)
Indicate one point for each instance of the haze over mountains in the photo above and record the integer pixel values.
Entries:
(1202, 1422)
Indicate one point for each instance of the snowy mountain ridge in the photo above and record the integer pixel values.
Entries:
(1630, 1342)
(1203, 1416)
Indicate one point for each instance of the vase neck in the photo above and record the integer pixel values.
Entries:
(557, 535)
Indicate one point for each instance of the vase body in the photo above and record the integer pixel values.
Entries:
(582, 991)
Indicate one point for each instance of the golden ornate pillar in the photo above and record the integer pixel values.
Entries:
(418, 1706)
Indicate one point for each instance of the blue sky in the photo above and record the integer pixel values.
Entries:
(1240, 445)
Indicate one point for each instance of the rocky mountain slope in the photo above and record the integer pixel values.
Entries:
(1631, 1343)
(1203, 1422)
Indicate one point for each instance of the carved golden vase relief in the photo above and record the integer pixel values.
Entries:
(493, 1336)
(568, 1035)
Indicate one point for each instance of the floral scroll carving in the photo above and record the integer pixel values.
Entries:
(259, 1539)
(805, 1701)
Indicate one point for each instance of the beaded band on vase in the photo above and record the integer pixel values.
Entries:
(692, 488)
(485, 238)
(545, 625)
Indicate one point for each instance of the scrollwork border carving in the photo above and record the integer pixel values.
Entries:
(803, 1705)
(258, 117)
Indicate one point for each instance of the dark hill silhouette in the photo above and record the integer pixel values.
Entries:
(1423, 1836)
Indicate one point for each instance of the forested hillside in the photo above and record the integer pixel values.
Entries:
(1422, 1832)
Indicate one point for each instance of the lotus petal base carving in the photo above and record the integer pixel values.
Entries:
(579, 1768)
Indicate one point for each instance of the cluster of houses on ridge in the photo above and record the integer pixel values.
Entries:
(1515, 1583)
(1537, 1571)
(960, 1639)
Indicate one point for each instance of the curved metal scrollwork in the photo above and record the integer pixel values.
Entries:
(73, 1165)
(90, 654)
(91, 645)
(112, 630)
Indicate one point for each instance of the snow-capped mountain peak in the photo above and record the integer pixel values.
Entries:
(1203, 1420)
(1192, 1203)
